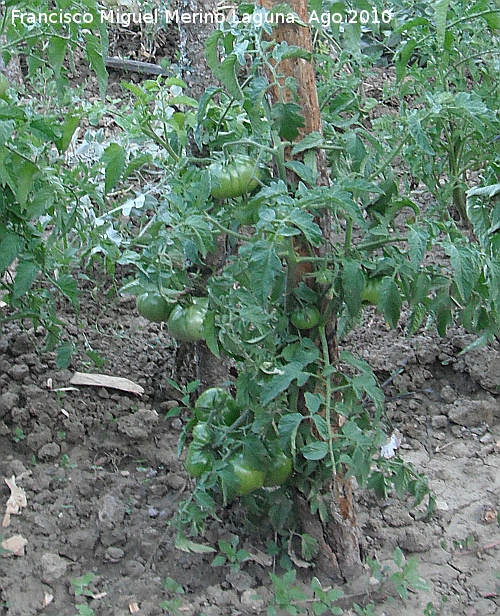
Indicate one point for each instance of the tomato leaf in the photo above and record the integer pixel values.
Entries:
(305, 222)
(265, 267)
(287, 120)
(210, 333)
(288, 427)
(114, 161)
(315, 451)
(418, 134)
(64, 354)
(11, 245)
(96, 53)
(225, 71)
(440, 13)
(311, 141)
(390, 301)
(69, 126)
(26, 272)
(353, 282)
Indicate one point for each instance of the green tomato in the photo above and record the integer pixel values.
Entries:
(235, 178)
(220, 402)
(202, 434)
(371, 292)
(305, 318)
(186, 324)
(4, 84)
(280, 469)
(154, 307)
(198, 459)
(250, 478)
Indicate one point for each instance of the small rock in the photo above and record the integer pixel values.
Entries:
(21, 345)
(53, 566)
(134, 568)
(19, 372)
(487, 439)
(50, 450)
(441, 505)
(114, 554)
(480, 430)
(448, 394)
(16, 467)
(439, 422)
(139, 425)
(252, 601)
(175, 481)
(111, 511)
(396, 516)
(176, 424)
(240, 580)
(8, 401)
(484, 607)
(470, 413)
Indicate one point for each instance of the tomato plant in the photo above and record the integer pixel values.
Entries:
(235, 178)
(154, 307)
(185, 323)
(283, 291)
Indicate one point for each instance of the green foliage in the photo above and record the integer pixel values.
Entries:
(173, 604)
(230, 554)
(49, 195)
(47, 47)
(404, 575)
(252, 292)
(82, 583)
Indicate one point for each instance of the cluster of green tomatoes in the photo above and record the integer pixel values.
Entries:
(184, 322)
(214, 409)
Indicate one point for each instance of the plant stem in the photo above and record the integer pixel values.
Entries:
(328, 396)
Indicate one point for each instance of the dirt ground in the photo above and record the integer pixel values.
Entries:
(102, 479)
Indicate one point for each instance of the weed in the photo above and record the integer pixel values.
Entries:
(18, 434)
(230, 554)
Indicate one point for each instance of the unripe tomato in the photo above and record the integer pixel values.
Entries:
(220, 402)
(250, 478)
(235, 178)
(201, 434)
(280, 469)
(305, 318)
(4, 84)
(198, 459)
(371, 292)
(154, 307)
(186, 324)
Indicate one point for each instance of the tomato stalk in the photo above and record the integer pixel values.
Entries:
(328, 396)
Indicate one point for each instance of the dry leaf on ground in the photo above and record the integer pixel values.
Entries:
(104, 380)
(17, 500)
